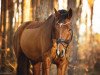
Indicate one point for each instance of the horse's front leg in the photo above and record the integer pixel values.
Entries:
(46, 65)
(37, 69)
(62, 67)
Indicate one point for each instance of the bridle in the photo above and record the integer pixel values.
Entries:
(63, 41)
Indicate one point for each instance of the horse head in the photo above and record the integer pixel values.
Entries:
(62, 31)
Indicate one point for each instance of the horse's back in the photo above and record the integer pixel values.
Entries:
(34, 24)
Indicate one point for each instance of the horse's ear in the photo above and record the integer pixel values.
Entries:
(70, 13)
(57, 14)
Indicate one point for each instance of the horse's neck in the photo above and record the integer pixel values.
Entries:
(46, 31)
(48, 26)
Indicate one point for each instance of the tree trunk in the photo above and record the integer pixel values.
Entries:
(42, 9)
(75, 5)
(11, 14)
(3, 47)
(27, 13)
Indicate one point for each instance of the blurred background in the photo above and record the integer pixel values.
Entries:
(84, 50)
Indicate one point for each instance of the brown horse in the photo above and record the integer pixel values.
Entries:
(45, 42)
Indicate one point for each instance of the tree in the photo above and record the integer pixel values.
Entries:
(3, 22)
(75, 5)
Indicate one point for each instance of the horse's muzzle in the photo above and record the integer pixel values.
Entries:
(60, 54)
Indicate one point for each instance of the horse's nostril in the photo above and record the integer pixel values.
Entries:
(58, 52)
(62, 53)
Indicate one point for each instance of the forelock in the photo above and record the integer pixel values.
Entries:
(63, 13)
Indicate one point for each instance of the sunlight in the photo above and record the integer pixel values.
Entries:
(96, 17)
(27, 13)
(82, 29)
(85, 18)
(20, 1)
(0, 7)
(62, 4)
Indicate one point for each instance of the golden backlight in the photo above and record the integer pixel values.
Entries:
(86, 11)
(96, 17)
